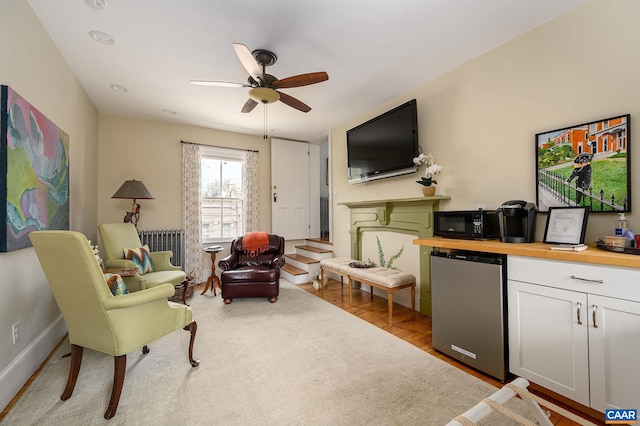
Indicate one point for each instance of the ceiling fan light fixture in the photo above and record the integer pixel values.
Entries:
(264, 95)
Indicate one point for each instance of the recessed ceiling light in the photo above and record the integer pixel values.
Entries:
(168, 111)
(97, 4)
(119, 88)
(102, 38)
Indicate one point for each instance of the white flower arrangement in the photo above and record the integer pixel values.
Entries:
(432, 169)
(96, 252)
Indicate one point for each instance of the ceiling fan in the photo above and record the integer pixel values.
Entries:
(265, 87)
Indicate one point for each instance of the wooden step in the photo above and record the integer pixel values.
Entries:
(293, 270)
(314, 249)
(301, 259)
(320, 240)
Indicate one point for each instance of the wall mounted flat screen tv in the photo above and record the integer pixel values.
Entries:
(384, 146)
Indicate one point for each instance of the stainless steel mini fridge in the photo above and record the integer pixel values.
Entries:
(469, 309)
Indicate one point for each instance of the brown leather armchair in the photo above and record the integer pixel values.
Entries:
(257, 275)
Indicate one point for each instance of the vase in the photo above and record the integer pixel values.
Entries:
(429, 191)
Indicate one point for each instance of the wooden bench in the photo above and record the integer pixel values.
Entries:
(382, 278)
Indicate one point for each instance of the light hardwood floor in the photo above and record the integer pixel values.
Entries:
(416, 332)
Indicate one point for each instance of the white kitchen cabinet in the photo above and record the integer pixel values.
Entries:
(546, 344)
(614, 352)
(575, 329)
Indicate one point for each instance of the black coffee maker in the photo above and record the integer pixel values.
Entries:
(517, 221)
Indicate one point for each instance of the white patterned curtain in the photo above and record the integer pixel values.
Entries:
(251, 191)
(191, 209)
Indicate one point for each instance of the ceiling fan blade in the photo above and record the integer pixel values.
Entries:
(294, 103)
(217, 83)
(249, 105)
(301, 80)
(248, 62)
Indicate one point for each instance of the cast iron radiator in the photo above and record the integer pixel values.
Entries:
(161, 240)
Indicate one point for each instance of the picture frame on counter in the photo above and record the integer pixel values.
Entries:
(566, 225)
(586, 164)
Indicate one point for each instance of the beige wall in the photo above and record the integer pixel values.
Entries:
(151, 152)
(479, 120)
(33, 67)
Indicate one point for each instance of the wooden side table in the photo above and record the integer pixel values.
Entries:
(213, 279)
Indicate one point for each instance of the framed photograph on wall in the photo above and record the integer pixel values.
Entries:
(585, 165)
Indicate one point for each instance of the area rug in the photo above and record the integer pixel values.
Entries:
(300, 361)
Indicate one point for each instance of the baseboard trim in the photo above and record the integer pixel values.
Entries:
(18, 372)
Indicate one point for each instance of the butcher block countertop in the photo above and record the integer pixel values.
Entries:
(591, 255)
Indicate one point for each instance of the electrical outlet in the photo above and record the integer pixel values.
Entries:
(16, 333)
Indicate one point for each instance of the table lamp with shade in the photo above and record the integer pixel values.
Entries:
(133, 189)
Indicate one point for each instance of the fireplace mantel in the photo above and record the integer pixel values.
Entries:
(406, 216)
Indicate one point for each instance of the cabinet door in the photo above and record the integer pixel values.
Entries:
(548, 338)
(614, 345)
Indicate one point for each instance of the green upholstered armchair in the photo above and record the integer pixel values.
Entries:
(118, 236)
(98, 320)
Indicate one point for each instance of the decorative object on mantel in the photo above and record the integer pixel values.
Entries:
(429, 191)
(427, 181)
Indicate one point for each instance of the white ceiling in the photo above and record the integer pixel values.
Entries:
(373, 51)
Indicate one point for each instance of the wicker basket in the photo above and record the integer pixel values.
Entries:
(190, 288)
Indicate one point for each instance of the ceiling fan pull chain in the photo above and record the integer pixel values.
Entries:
(265, 121)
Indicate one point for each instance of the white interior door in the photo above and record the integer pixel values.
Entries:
(290, 189)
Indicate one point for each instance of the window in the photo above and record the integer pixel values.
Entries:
(222, 194)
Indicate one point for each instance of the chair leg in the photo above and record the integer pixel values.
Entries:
(120, 367)
(145, 349)
(192, 328)
(74, 369)
(185, 283)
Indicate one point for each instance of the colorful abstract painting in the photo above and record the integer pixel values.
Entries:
(34, 172)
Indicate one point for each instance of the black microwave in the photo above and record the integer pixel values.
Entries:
(467, 224)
